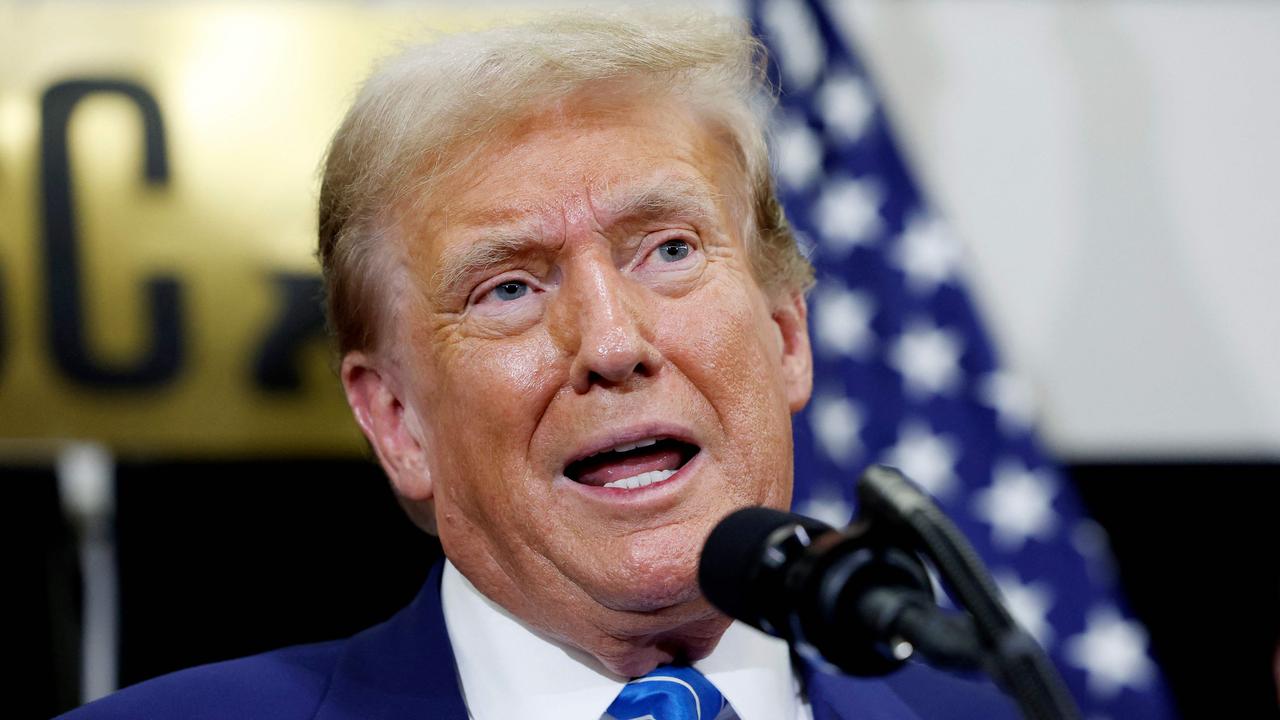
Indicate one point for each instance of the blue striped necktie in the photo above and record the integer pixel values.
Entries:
(669, 692)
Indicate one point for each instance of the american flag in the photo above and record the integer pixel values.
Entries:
(906, 376)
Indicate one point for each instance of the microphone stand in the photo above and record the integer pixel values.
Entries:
(986, 634)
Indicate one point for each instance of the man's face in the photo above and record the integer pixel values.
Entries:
(582, 319)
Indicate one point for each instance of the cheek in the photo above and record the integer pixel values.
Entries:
(492, 378)
(733, 358)
(732, 354)
(484, 409)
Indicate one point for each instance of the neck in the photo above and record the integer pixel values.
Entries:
(625, 643)
(634, 647)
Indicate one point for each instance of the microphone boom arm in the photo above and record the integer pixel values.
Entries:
(1019, 664)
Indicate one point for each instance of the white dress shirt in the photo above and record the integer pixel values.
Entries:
(509, 671)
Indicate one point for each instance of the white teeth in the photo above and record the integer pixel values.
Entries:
(641, 480)
(632, 446)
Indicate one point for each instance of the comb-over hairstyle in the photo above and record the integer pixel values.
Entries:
(428, 110)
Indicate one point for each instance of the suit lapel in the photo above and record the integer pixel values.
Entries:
(403, 668)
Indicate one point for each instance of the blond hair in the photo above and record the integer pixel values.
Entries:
(427, 111)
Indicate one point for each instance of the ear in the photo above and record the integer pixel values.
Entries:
(391, 427)
(790, 315)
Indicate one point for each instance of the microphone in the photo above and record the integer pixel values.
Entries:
(852, 598)
(860, 599)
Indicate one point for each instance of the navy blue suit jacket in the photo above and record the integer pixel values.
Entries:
(404, 669)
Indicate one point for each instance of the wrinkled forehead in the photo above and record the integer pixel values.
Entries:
(643, 190)
(593, 158)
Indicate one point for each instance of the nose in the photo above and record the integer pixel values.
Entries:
(609, 335)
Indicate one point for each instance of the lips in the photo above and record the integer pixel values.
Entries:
(634, 464)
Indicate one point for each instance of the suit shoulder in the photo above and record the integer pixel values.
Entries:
(937, 694)
(284, 684)
(914, 691)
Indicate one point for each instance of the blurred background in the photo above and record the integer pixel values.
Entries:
(183, 482)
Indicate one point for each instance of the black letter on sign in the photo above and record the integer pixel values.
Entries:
(62, 262)
(301, 320)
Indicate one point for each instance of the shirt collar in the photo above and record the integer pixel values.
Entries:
(509, 670)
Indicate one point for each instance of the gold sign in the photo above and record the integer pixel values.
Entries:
(158, 174)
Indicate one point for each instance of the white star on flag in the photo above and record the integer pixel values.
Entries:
(1113, 653)
(1090, 540)
(802, 52)
(927, 458)
(1012, 399)
(926, 252)
(836, 423)
(845, 104)
(828, 505)
(928, 358)
(797, 150)
(842, 319)
(1029, 604)
(1018, 505)
(848, 213)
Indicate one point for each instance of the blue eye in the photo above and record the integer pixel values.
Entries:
(673, 250)
(510, 290)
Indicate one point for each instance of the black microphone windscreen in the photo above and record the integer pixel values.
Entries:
(733, 554)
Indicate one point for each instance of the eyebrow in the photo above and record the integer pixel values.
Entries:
(495, 247)
(664, 197)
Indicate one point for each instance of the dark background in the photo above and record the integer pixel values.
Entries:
(223, 559)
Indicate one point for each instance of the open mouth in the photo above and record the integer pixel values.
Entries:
(632, 465)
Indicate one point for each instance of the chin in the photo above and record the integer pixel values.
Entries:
(656, 574)
(650, 592)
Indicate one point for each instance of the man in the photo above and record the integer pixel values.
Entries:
(572, 326)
